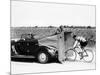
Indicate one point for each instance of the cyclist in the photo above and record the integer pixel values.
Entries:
(80, 42)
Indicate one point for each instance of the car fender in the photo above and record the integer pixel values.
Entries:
(49, 49)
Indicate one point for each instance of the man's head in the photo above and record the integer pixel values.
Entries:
(61, 28)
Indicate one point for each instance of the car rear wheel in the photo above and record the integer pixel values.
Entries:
(43, 57)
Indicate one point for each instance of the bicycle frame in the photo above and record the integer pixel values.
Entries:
(83, 51)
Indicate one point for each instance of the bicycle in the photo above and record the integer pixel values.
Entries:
(87, 54)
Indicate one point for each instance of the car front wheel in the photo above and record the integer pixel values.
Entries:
(43, 57)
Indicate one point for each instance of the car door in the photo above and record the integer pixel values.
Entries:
(21, 47)
(33, 46)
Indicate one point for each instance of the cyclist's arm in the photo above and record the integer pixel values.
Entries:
(75, 44)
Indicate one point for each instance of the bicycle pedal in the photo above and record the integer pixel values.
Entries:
(80, 53)
(81, 58)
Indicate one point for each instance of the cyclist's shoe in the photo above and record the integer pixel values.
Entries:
(81, 58)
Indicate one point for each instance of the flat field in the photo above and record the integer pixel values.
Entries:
(42, 32)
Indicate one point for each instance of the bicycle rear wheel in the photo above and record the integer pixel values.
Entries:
(89, 56)
(70, 55)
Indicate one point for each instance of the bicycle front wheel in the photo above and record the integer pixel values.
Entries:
(71, 55)
(88, 56)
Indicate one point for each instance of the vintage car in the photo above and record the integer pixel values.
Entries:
(27, 46)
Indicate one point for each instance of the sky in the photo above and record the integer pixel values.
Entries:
(49, 14)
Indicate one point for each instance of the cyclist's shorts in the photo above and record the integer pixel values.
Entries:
(83, 44)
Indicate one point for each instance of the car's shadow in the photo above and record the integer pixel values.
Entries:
(31, 60)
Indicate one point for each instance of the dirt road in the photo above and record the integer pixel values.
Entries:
(32, 67)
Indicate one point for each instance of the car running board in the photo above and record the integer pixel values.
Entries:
(22, 56)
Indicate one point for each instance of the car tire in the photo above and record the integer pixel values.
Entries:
(43, 57)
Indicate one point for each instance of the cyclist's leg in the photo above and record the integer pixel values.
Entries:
(84, 53)
(81, 52)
